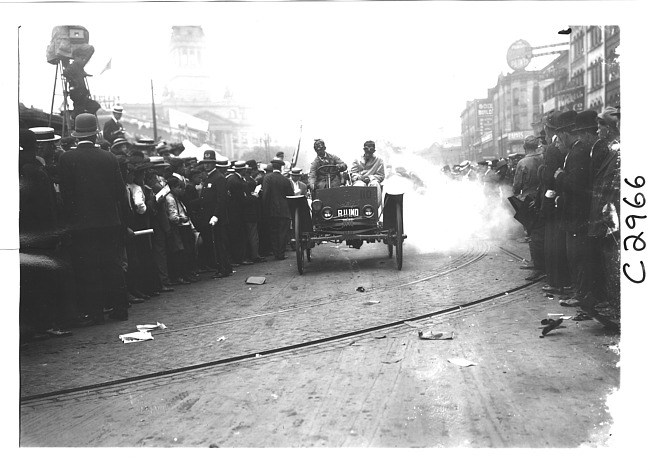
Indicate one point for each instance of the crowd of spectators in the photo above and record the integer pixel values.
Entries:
(105, 224)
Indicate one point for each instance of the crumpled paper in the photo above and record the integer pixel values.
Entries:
(461, 362)
(138, 336)
(431, 335)
(147, 327)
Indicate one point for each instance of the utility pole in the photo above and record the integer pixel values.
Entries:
(153, 112)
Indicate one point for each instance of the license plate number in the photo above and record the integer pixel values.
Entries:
(347, 212)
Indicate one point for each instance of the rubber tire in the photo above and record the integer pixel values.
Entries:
(300, 254)
(399, 236)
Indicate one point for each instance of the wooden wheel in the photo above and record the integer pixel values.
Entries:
(300, 249)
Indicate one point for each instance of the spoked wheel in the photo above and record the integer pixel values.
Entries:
(300, 249)
(399, 236)
(309, 255)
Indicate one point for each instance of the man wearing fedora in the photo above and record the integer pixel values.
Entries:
(573, 184)
(113, 127)
(275, 189)
(555, 260)
(214, 199)
(94, 199)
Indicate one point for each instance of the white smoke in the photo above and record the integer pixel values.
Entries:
(441, 213)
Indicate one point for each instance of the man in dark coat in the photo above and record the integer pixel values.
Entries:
(113, 128)
(275, 189)
(573, 183)
(214, 197)
(94, 196)
(555, 261)
(237, 194)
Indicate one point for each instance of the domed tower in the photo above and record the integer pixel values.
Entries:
(189, 79)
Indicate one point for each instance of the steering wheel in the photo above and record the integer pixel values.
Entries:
(329, 169)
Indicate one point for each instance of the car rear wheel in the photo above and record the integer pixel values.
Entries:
(399, 236)
(300, 254)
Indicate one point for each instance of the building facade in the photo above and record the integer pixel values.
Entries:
(220, 121)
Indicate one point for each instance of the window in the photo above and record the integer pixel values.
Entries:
(578, 45)
(595, 36)
(596, 74)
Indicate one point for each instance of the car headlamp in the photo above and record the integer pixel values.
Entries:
(327, 213)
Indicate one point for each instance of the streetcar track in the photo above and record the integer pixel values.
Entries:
(464, 260)
(265, 353)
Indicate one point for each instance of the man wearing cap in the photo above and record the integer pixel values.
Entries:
(238, 193)
(604, 223)
(555, 259)
(319, 180)
(113, 127)
(369, 169)
(572, 183)
(275, 189)
(525, 185)
(214, 199)
(94, 199)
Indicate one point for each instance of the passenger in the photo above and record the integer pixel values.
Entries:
(368, 170)
(318, 181)
(299, 188)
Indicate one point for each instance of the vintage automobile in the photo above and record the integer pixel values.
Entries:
(348, 213)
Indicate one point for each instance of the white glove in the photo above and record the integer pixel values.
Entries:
(213, 220)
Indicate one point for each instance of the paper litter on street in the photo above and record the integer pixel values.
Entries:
(255, 280)
(138, 336)
(370, 303)
(558, 316)
(147, 327)
(461, 362)
(431, 335)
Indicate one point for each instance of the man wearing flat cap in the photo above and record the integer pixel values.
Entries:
(525, 185)
(604, 219)
(573, 184)
(318, 179)
(555, 259)
(94, 200)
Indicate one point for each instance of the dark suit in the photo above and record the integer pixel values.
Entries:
(574, 187)
(94, 196)
(237, 194)
(214, 198)
(275, 189)
(112, 130)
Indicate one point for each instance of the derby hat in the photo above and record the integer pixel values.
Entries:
(609, 116)
(27, 140)
(223, 162)
(145, 142)
(209, 155)
(45, 134)
(251, 163)
(296, 171)
(586, 120)
(566, 121)
(277, 163)
(550, 119)
(85, 125)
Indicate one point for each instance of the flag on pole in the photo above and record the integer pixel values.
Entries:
(107, 66)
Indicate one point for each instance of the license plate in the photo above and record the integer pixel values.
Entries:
(347, 212)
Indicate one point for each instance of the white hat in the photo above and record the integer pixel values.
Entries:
(118, 109)
(45, 134)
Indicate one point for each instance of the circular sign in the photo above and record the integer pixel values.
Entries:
(519, 54)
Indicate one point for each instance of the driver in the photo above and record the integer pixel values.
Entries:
(318, 180)
(369, 169)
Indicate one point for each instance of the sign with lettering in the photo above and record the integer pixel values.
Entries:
(519, 55)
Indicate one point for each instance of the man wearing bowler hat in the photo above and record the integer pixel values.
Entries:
(573, 185)
(214, 199)
(238, 193)
(94, 199)
(113, 127)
